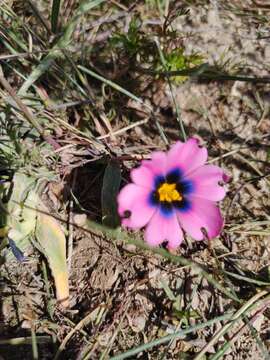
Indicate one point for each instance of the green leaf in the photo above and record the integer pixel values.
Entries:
(110, 189)
(21, 218)
(178, 60)
(55, 14)
(28, 216)
(52, 244)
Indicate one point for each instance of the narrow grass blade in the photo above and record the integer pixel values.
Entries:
(62, 43)
(247, 279)
(37, 13)
(176, 106)
(55, 15)
(167, 338)
(34, 344)
(204, 72)
(115, 86)
(28, 114)
(120, 235)
(246, 307)
(129, 94)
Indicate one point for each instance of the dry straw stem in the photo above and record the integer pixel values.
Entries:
(80, 135)
(132, 96)
(26, 340)
(124, 129)
(62, 43)
(78, 327)
(118, 235)
(117, 330)
(115, 86)
(241, 332)
(170, 337)
(27, 112)
(123, 236)
(237, 316)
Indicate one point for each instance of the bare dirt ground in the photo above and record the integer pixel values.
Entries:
(122, 296)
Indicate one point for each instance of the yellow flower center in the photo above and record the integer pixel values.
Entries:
(168, 192)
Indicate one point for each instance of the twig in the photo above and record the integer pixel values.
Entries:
(121, 131)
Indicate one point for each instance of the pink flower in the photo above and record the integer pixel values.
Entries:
(174, 191)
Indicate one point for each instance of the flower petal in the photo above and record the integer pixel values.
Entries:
(162, 228)
(143, 176)
(202, 214)
(205, 182)
(135, 199)
(186, 156)
(158, 163)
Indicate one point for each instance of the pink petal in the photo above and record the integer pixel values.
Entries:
(206, 182)
(174, 154)
(161, 228)
(187, 156)
(135, 199)
(203, 214)
(143, 176)
(158, 163)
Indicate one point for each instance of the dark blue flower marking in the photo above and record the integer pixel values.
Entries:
(177, 188)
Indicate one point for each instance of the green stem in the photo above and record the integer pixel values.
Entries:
(203, 72)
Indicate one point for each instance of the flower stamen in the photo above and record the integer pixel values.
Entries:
(168, 192)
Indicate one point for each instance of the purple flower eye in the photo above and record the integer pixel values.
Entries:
(172, 192)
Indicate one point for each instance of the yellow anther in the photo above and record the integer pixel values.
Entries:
(168, 192)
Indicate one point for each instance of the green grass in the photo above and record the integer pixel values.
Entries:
(82, 100)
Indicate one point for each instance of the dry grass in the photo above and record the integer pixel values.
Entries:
(88, 90)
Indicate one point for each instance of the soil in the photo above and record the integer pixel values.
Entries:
(128, 296)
